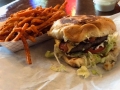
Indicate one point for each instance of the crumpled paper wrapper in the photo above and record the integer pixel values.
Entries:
(15, 74)
(18, 45)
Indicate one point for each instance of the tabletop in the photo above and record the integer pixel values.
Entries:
(73, 7)
(15, 74)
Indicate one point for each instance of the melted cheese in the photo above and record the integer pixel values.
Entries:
(57, 42)
(69, 47)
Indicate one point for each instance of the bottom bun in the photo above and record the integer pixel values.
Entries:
(111, 59)
(74, 62)
(108, 63)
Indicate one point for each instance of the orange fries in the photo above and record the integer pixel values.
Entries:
(29, 24)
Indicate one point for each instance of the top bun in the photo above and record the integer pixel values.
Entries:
(79, 28)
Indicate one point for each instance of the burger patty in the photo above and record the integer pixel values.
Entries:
(85, 45)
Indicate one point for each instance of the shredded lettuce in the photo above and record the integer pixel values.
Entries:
(58, 68)
(111, 42)
(93, 58)
(58, 54)
(109, 57)
(49, 54)
(83, 71)
(96, 72)
(86, 61)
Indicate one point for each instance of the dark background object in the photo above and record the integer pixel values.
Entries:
(84, 7)
(87, 7)
(74, 7)
(5, 2)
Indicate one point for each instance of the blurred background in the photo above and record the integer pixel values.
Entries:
(73, 7)
(4, 2)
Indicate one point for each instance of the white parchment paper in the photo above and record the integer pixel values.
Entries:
(15, 74)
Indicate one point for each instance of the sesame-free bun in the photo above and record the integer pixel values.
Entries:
(78, 62)
(79, 28)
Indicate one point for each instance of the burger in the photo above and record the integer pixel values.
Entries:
(85, 40)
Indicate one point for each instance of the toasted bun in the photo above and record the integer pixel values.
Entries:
(107, 65)
(79, 28)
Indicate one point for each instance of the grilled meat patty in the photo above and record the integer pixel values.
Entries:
(85, 45)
